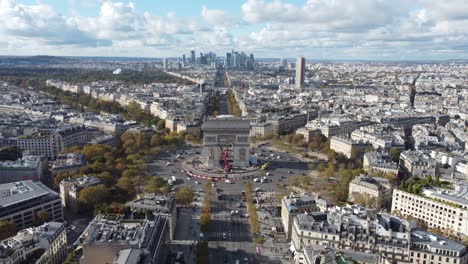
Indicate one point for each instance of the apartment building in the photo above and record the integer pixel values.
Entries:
(348, 147)
(45, 244)
(307, 133)
(292, 205)
(417, 163)
(287, 124)
(70, 189)
(393, 239)
(109, 237)
(20, 201)
(29, 167)
(371, 187)
(51, 142)
(377, 161)
(67, 162)
(447, 211)
(261, 129)
(158, 204)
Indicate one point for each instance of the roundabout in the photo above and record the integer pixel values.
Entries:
(194, 168)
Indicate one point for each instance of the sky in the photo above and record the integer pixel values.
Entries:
(315, 29)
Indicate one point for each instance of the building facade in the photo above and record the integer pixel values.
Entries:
(448, 213)
(26, 168)
(292, 205)
(20, 201)
(48, 241)
(348, 147)
(158, 204)
(300, 72)
(393, 239)
(70, 189)
(147, 238)
(379, 189)
(51, 142)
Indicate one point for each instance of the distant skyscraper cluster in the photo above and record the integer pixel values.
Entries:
(236, 60)
(233, 60)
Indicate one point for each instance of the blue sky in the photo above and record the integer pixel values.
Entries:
(316, 29)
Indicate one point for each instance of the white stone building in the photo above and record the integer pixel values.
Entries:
(48, 241)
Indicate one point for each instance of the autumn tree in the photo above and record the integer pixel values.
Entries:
(7, 229)
(92, 195)
(184, 195)
(156, 185)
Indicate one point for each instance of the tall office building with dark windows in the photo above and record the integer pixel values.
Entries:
(300, 71)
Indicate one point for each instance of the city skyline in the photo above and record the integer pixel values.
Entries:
(316, 30)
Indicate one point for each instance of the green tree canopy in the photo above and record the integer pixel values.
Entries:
(184, 195)
(92, 195)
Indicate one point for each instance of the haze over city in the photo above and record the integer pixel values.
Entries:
(315, 29)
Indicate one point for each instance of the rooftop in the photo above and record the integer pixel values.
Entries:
(16, 192)
(31, 161)
(114, 230)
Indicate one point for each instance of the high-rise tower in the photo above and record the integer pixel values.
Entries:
(300, 72)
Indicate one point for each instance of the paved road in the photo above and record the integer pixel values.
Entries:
(229, 235)
(223, 108)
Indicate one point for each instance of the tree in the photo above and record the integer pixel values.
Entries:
(126, 184)
(394, 154)
(184, 195)
(92, 195)
(161, 124)
(41, 217)
(106, 178)
(299, 181)
(7, 229)
(156, 140)
(155, 185)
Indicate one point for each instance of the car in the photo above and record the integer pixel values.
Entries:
(263, 181)
(224, 236)
(257, 190)
(180, 255)
(200, 190)
(168, 163)
(289, 171)
(213, 184)
(267, 174)
(182, 171)
(188, 178)
(228, 181)
(255, 179)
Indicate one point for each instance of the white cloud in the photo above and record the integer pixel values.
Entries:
(317, 28)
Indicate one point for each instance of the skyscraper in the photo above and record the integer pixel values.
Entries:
(300, 70)
(192, 56)
(184, 60)
(228, 61)
(165, 63)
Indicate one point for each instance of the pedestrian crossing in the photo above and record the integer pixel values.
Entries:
(229, 236)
